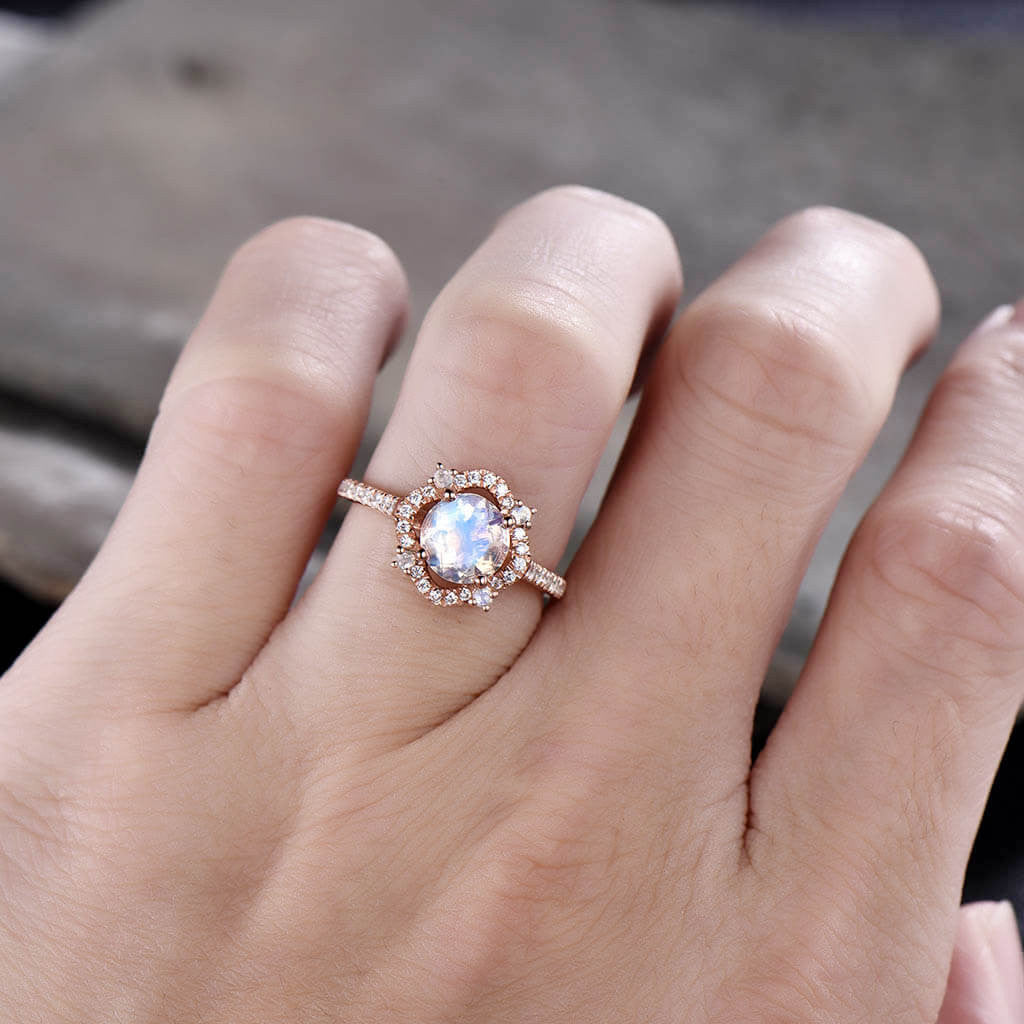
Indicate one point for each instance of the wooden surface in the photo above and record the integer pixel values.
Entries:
(140, 146)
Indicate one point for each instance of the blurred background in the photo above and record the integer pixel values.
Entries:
(142, 140)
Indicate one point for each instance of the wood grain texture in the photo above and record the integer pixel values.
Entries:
(160, 133)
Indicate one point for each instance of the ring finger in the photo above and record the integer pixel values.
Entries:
(521, 367)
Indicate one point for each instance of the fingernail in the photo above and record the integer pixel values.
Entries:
(990, 975)
(999, 317)
(1004, 940)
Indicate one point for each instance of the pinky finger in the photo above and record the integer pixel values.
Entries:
(876, 776)
(986, 977)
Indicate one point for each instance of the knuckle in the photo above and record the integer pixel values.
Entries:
(830, 221)
(532, 862)
(781, 376)
(987, 368)
(545, 324)
(535, 347)
(303, 312)
(296, 242)
(949, 577)
(605, 204)
(535, 879)
(235, 421)
(315, 279)
(851, 244)
(503, 895)
(586, 221)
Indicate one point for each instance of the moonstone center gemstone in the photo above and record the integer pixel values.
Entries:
(464, 538)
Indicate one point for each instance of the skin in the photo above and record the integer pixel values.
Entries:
(218, 807)
(986, 977)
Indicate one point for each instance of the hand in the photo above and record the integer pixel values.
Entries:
(218, 808)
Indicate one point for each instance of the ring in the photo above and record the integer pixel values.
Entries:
(463, 536)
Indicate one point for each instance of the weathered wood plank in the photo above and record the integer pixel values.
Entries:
(58, 497)
(164, 131)
(21, 44)
(60, 489)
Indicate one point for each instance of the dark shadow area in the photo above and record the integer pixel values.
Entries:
(996, 870)
(22, 619)
(906, 15)
(50, 9)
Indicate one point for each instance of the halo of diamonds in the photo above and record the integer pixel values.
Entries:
(409, 513)
(410, 559)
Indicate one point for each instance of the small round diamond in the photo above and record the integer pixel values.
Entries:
(405, 561)
(482, 598)
(423, 586)
(519, 533)
(522, 515)
(443, 478)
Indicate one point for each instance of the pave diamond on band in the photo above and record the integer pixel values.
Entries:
(463, 536)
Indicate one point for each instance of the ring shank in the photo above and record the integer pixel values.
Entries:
(383, 501)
